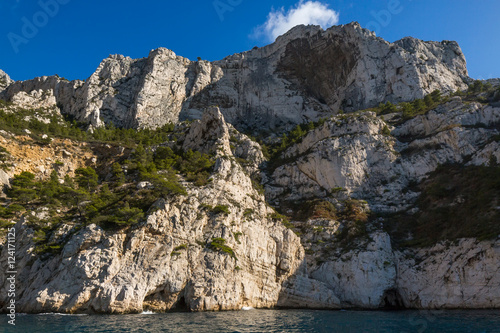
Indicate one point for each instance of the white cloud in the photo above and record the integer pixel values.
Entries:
(310, 12)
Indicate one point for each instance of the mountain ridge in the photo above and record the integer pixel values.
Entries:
(344, 68)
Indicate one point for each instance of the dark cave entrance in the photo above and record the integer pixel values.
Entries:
(180, 305)
(392, 300)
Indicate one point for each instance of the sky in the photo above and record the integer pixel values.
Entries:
(71, 37)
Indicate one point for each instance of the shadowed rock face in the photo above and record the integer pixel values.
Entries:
(319, 67)
(306, 74)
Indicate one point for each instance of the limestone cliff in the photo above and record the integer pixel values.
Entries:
(363, 209)
(351, 152)
(305, 75)
(169, 260)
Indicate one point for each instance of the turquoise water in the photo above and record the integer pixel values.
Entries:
(266, 321)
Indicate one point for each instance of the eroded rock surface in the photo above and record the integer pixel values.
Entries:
(5, 80)
(306, 74)
(350, 153)
(167, 261)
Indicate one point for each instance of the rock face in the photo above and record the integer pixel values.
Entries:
(170, 261)
(4, 80)
(4, 180)
(305, 75)
(350, 152)
(371, 274)
(209, 135)
(465, 276)
(167, 262)
(36, 99)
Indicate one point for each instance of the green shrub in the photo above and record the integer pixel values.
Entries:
(5, 224)
(386, 131)
(237, 236)
(436, 96)
(48, 248)
(415, 108)
(128, 215)
(39, 236)
(221, 209)
(87, 178)
(205, 207)
(248, 212)
(257, 185)
(476, 87)
(281, 218)
(23, 188)
(354, 211)
(4, 157)
(165, 184)
(196, 167)
(15, 122)
(387, 108)
(13, 210)
(122, 216)
(337, 190)
(429, 102)
(181, 247)
(118, 174)
(218, 244)
(324, 210)
(288, 139)
(165, 158)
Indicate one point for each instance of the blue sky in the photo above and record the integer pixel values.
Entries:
(71, 37)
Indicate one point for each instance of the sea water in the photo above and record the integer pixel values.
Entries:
(265, 321)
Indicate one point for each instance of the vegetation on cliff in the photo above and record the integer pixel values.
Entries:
(114, 197)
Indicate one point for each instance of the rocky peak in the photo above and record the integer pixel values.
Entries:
(210, 134)
(299, 31)
(5, 80)
(308, 31)
(165, 54)
(445, 53)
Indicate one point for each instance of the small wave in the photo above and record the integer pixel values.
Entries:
(61, 314)
(147, 313)
(247, 308)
